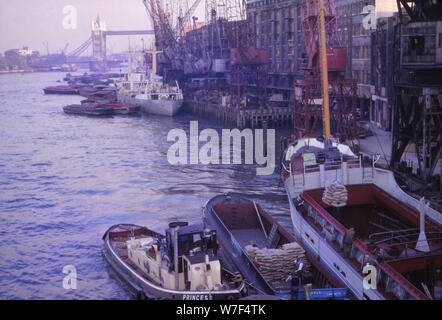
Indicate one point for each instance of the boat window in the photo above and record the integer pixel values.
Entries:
(183, 243)
(309, 159)
(196, 237)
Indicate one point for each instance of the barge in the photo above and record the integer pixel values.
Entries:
(266, 254)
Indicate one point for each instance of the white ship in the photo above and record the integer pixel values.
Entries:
(363, 228)
(150, 93)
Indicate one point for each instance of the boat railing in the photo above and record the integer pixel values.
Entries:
(333, 165)
(299, 170)
(394, 282)
(402, 245)
(380, 237)
(354, 163)
(311, 168)
(395, 236)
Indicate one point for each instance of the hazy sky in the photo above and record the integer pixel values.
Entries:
(33, 22)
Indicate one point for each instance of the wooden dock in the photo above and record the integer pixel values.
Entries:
(270, 117)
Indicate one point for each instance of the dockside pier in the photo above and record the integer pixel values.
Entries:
(269, 117)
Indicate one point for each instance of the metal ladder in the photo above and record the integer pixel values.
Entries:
(298, 183)
(273, 238)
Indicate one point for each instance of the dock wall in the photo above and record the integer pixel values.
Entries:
(269, 117)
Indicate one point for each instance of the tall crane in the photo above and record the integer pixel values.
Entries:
(169, 32)
(315, 93)
(417, 110)
(186, 18)
(164, 35)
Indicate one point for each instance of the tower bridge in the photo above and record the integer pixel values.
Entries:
(98, 41)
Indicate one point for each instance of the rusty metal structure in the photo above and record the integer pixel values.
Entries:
(223, 53)
(417, 114)
(171, 20)
(308, 114)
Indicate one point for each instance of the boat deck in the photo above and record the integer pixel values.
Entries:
(247, 237)
(118, 243)
(386, 230)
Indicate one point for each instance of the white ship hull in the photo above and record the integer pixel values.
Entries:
(317, 246)
(316, 243)
(158, 107)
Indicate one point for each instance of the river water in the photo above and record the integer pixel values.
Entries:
(64, 180)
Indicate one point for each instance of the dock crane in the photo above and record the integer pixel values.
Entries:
(324, 82)
(168, 33)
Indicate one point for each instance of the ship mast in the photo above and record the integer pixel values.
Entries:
(154, 52)
(324, 72)
(130, 59)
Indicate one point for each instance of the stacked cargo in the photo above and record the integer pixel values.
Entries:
(277, 264)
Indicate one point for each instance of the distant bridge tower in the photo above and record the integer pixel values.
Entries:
(99, 40)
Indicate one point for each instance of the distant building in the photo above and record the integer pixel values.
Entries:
(350, 16)
(277, 27)
(357, 19)
(16, 59)
(382, 72)
(3, 63)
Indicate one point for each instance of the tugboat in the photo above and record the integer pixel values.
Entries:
(354, 217)
(181, 265)
(266, 254)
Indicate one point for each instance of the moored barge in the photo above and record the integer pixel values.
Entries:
(88, 110)
(265, 253)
